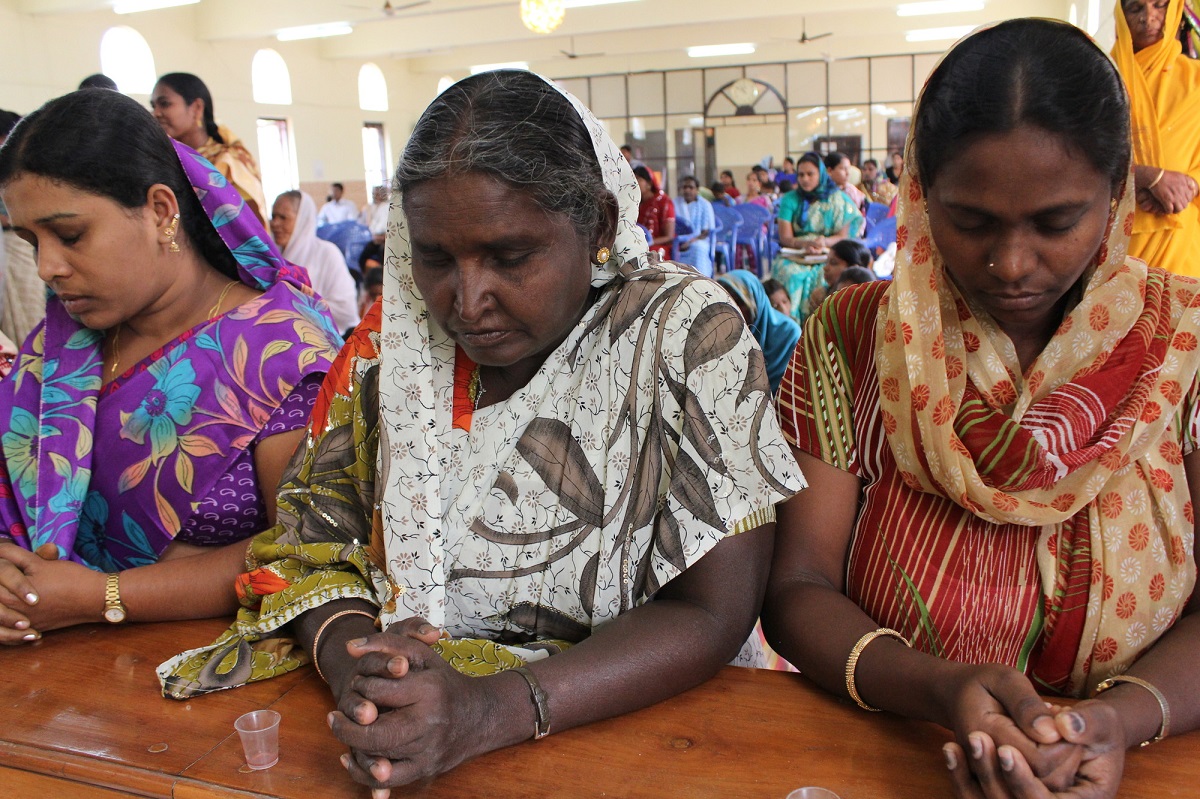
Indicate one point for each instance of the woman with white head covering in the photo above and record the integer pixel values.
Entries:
(294, 228)
(542, 460)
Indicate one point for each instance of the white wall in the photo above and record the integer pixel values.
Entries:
(42, 57)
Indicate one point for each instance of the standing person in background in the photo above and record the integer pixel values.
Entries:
(1164, 99)
(695, 251)
(183, 106)
(730, 186)
(656, 213)
(896, 169)
(22, 292)
(337, 208)
(294, 228)
(627, 153)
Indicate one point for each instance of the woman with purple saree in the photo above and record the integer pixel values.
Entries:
(148, 419)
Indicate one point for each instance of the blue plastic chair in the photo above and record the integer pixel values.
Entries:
(876, 213)
(350, 237)
(720, 245)
(881, 235)
(755, 220)
(726, 237)
(683, 232)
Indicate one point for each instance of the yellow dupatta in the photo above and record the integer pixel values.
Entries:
(1164, 99)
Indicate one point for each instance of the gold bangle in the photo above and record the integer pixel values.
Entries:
(1161, 171)
(852, 662)
(316, 644)
(1162, 702)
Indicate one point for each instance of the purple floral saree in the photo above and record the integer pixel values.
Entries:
(108, 477)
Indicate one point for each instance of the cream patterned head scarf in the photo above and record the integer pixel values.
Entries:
(1093, 459)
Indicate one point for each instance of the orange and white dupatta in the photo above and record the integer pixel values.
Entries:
(1085, 444)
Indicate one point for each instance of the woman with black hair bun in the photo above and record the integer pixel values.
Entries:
(183, 106)
(150, 415)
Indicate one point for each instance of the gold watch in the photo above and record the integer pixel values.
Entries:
(114, 610)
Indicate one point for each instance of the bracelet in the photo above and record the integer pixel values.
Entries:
(1162, 171)
(541, 703)
(852, 662)
(1162, 702)
(316, 644)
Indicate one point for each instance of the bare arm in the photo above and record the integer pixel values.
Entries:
(668, 233)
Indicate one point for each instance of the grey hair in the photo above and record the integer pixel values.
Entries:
(511, 125)
(294, 196)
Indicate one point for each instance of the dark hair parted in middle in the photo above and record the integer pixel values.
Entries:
(1025, 72)
(514, 126)
(107, 144)
(852, 252)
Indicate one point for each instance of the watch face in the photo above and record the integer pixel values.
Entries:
(114, 615)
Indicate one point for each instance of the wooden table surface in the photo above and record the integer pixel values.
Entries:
(83, 718)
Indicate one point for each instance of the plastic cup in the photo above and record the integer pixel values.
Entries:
(812, 793)
(259, 731)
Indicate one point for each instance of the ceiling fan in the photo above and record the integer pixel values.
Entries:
(571, 54)
(805, 38)
(389, 9)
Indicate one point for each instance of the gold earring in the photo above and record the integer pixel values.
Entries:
(602, 255)
(170, 231)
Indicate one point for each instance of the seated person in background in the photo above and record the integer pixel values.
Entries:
(697, 212)
(876, 187)
(1001, 441)
(789, 166)
(374, 215)
(775, 332)
(755, 193)
(719, 196)
(525, 580)
(852, 276)
(656, 213)
(149, 417)
(294, 228)
(778, 295)
(627, 154)
(779, 189)
(812, 218)
(372, 289)
(337, 208)
(842, 254)
(838, 167)
(730, 186)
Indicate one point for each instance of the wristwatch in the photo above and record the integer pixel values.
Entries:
(114, 611)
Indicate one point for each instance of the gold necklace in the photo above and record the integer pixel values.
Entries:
(475, 389)
(221, 299)
(116, 354)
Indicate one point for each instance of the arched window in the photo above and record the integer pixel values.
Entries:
(270, 79)
(126, 58)
(372, 89)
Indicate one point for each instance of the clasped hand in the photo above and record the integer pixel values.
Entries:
(1171, 195)
(38, 595)
(404, 712)
(1010, 744)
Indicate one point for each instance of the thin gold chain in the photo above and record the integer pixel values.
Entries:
(221, 299)
(116, 352)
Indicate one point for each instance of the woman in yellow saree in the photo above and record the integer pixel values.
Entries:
(1164, 95)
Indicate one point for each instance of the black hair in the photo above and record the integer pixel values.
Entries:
(784, 185)
(373, 277)
(98, 81)
(810, 158)
(788, 160)
(689, 179)
(8, 121)
(872, 162)
(107, 144)
(627, 148)
(338, 186)
(732, 182)
(646, 175)
(190, 87)
(771, 285)
(717, 188)
(1025, 72)
(520, 130)
(834, 158)
(853, 275)
(854, 253)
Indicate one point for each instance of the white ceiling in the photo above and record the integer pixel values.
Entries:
(447, 36)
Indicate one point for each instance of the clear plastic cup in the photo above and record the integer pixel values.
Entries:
(259, 731)
(812, 792)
